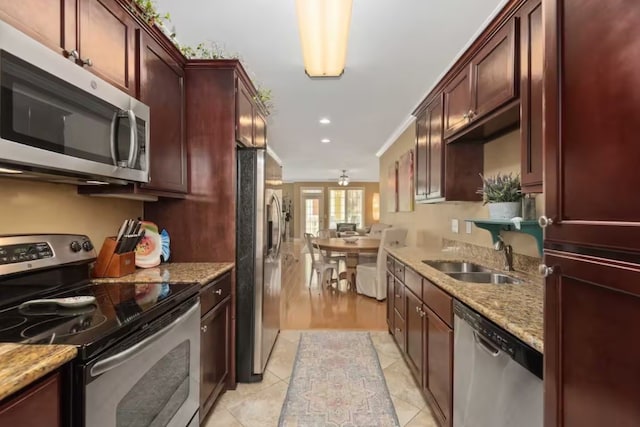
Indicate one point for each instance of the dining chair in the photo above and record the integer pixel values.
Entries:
(319, 264)
(332, 256)
(370, 277)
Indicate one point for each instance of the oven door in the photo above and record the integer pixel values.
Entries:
(151, 379)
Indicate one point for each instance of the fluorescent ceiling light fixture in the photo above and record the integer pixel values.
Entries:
(325, 140)
(324, 32)
(324, 121)
(12, 171)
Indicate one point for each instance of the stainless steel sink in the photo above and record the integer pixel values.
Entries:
(456, 267)
(485, 277)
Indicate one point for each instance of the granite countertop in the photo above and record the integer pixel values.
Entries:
(516, 308)
(176, 272)
(22, 364)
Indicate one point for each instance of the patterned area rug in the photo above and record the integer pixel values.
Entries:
(337, 381)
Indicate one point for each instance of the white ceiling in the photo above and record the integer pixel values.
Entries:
(397, 51)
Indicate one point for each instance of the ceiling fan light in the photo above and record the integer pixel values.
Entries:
(324, 33)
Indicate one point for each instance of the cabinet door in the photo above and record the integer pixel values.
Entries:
(259, 131)
(457, 102)
(591, 135)
(413, 324)
(421, 160)
(52, 23)
(36, 406)
(399, 332)
(592, 307)
(106, 36)
(162, 89)
(435, 154)
(494, 72)
(438, 366)
(244, 115)
(390, 301)
(214, 354)
(531, 66)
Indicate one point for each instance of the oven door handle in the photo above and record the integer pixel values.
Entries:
(118, 359)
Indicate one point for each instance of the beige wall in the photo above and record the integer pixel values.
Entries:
(37, 207)
(291, 191)
(429, 223)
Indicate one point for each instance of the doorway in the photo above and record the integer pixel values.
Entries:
(312, 204)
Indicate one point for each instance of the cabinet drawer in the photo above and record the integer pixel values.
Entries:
(37, 405)
(215, 292)
(438, 301)
(413, 281)
(399, 298)
(399, 332)
(399, 271)
(390, 265)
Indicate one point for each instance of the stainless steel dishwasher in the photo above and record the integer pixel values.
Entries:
(497, 379)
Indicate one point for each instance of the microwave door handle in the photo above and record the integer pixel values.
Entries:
(114, 127)
(133, 138)
(116, 360)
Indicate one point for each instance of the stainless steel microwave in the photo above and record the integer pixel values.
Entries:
(58, 118)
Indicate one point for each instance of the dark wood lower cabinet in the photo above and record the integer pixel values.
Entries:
(437, 382)
(415, 333)
(215, 353)
(592, 354)
(36, 406)
(390, 295)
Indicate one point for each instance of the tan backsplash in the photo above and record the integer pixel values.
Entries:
(428, 224)
(38, 207)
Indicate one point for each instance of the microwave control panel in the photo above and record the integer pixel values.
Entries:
(24, 252)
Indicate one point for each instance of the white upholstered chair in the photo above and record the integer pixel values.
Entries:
(319, 263)
(376, 229)
(370, 277)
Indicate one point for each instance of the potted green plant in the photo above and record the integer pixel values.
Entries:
(503, 194)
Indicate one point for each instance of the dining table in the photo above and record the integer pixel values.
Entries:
(352, 251)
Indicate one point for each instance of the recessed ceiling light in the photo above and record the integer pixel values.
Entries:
(325, 121)
(325, 140)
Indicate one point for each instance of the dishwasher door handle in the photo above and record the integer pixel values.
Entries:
(485, 345)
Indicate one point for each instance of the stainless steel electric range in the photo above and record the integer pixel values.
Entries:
(138, 343)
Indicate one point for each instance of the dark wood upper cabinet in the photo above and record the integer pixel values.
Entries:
(531, 67)
(37, 405)
(260, 130)
(244, 115)
(421, 160)
(52, 23)
(438, 366)
(591, 362)
(413, 324)
(162, 89)
(106, 42)
(457, 102)
(493, 72)
(435, 153)
(591, 135)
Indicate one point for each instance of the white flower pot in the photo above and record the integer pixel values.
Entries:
(505, 210)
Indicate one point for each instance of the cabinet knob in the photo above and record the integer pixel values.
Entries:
(218, 291)
(398, 330)
(471, 114)
(71, 54)
(545, 271)
(86, 62)
(544, 222)
(465, 116)
(397, 296)
(203, 328)
(422, 313)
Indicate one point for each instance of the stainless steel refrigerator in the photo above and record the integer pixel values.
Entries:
(258, 263)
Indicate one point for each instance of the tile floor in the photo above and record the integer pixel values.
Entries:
(259, 404)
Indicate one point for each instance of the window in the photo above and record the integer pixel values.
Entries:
(346, 205)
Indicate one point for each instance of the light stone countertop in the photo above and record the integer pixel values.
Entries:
(22, 364)
(516, 308)
(176, 272)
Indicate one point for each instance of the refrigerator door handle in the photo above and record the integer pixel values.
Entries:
(279, 210)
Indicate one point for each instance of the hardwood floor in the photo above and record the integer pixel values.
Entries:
(328, 308)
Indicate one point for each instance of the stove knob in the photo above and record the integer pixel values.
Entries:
(87, 246)
(75, 246)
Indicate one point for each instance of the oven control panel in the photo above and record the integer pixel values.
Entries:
(24, 252)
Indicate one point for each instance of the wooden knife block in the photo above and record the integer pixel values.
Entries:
(111, 264)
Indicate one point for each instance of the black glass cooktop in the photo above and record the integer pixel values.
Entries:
(119, 309)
